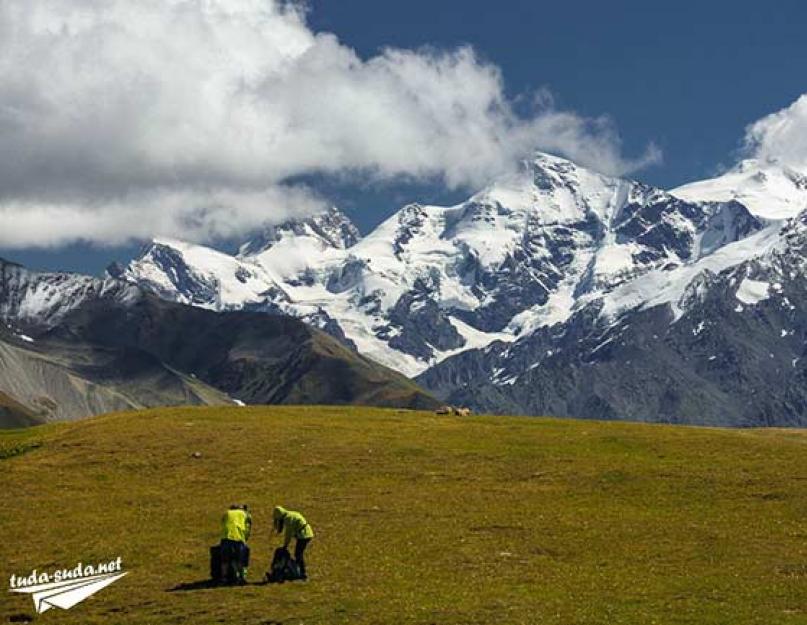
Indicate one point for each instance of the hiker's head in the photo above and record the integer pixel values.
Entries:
(278, 516)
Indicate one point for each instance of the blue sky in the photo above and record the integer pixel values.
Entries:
(688, 76)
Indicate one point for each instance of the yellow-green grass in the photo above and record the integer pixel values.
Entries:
(419, 518)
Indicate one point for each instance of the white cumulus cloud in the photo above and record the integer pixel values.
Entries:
(123, 120)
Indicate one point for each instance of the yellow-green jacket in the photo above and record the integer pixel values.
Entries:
(293, 523)
(236, 525)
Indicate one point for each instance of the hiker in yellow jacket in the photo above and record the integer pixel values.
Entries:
(236, 526)
(295, 527)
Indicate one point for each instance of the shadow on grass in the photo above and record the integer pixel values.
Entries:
(207, 584)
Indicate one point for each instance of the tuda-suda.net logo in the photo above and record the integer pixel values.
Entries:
(65, 588)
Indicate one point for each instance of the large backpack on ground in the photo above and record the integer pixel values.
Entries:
(215, 563)
(284, 568)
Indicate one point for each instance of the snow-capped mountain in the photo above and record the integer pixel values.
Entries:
(769, 189)
(330, 229)
(29, 298)
(719, 342)
(432, 281)
(554, 290)
(72, 346)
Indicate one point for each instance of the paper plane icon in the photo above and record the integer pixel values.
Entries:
(66, 594)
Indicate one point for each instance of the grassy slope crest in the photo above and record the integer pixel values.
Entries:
(419, 518)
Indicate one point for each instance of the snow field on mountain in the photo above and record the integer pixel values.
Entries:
(767, 189)
(668, 287)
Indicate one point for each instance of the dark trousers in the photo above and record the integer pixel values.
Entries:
(299, 554)
(234, 559)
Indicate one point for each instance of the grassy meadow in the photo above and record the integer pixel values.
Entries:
(419, 518)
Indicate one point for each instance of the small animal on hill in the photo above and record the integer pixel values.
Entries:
(454, 411)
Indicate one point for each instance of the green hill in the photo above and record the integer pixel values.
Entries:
(419, 518)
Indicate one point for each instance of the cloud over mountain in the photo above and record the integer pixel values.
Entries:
(123, 120)
(781, 136)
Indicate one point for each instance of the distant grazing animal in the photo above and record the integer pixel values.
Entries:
(454, 411)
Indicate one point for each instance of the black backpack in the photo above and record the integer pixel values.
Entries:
(284, 568)
(215, 563)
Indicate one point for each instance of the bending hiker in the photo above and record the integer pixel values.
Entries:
(236, 527)
(295, 527)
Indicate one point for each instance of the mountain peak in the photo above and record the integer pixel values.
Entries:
(768, 188)
(43, 299)
(545, 159)
(332, 228)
